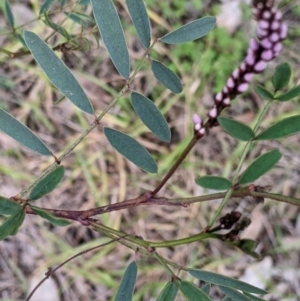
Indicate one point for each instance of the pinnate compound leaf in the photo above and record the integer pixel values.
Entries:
(126, 287)
(294, 92)
(206, 288)
(213, 182)
(46, 5)
(191, 31)
(236, 129)
(8, 13)
(282, 76)
(283, 128)
(57, 72)
(263, 93)
(225, 281)
(140, 20)
(56, 221)
(151, 116)
(168, 293)
(47, 184)
(8, 207)
(192, 292)
(12, 224)
(109, 24)
(18, 131)
(233, 294)
(131, 149)
(253, 298)
(260, 166)
(166, 76)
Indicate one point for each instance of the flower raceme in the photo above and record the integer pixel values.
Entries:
(271, 31)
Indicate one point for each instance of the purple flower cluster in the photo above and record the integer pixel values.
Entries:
(271, 31)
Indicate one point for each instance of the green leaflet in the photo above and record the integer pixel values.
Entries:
(213, 182)
(294, 92)
(166, 76)
(12, 224)
(168, 293)
(191, 31)
(8, 207)
(192, 292)
(16, 130)
(282, 76)
(225, 281)
(57, 72)
(263, 93)
(236, 129)
(47, 184)
(131, 149)
(283, 128)
(8, 13)
(109, 24)
(140, 20)
(151, 116)
(126, 287)
(260, 166)
(233, 294)
(57, 221)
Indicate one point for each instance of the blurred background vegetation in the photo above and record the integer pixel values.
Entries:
(96, 175)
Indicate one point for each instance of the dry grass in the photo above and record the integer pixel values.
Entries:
(96, 175)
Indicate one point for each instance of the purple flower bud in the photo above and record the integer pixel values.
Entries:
(201, 131)
(230, 82)
(197, 119)
(267, 55)
(260, 66)
(248, 77)
(236, 73)
(213, 113)
(277, 48)
(225, 90)
(226, 101)
(250, 59)
(218, 97)
(278, 15)
(266, 15)
(261, 33)
(254, 45)
(243, 66)
(263, 24)
(275, 25)
(283, 31)
(197, 127)
(265, 43)
(274, 37)
(242, 87)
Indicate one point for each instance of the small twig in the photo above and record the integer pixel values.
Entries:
(51, 271)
